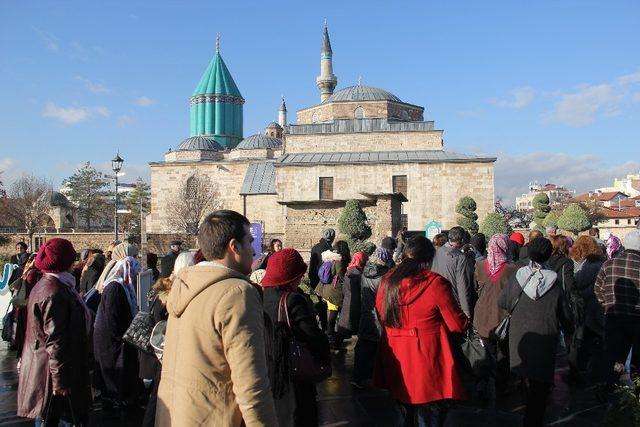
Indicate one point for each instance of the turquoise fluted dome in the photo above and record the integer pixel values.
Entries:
(216, 105)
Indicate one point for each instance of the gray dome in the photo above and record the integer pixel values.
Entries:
(259, 141)
(274, 125)
(362, 93)
(199, 142)
(55, 199)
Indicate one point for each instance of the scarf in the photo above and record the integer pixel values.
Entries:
(497, 253)
(358, 261)
(613, 246)
(69, 281)
(125, 272)
(119, 252)
(382, 256)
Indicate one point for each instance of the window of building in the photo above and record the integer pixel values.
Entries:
(628, 221)
(37, 242)
(359, 113)
(326, 188)
(617, 221)
(404, 115)
(399, 183)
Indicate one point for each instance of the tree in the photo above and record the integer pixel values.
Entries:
(494, 223)
(551, 219)
(140, 196)
(467, 209)
(195, 198)
(541, 209)
(353, 224)
(26, 203)
(574, 219)
(512, 216)
(87, 189)
(3, 193)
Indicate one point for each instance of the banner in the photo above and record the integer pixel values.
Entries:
(256, 233)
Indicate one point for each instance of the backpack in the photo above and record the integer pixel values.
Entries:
(324, 272)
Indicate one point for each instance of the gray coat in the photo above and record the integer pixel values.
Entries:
(369, 327)
(458, 269)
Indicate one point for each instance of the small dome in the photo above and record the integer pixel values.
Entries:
(258, 141)
(199, 142)
(55, 199)
(362, 93)
(273, 125)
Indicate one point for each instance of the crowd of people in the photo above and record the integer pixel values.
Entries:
(243, 343)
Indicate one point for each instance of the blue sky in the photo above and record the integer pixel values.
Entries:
(551, 88)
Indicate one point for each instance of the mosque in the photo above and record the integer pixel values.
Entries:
(358, 142)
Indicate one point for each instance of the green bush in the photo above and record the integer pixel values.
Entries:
(624, 411)
(494, 223)
(353, 225)
(541, 209)
(551, 219)
(467, 218)
(574, 219)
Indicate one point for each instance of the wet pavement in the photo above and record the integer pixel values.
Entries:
(341, 405)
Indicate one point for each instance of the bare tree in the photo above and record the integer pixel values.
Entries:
(195, 198)
(513, 217)
(26, 204)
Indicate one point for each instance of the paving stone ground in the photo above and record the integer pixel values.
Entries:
(342, 405)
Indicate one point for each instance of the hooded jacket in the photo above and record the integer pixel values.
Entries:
(533, 330)
(415, 361)
(214, 369)
(369, 327)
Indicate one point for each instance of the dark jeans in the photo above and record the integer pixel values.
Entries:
(149, 419)
(306, 412)
(363, 359)
(537, 396)
(589, 354)
(425, 415)
(500, 351)
(332, 318)
(621, 335)
(321, 311)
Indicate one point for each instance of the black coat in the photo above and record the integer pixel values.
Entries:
(564, 267)
(351, 303)
(116, 362)
(369, 327)
(533, 331)
(585, 283)
(316, 260)
(150, 366)
(167, 263)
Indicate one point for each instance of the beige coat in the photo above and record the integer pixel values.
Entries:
(214, 369)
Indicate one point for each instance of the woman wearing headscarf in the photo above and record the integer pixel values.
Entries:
(350, 313)
(614, 246)
(369, 328)
(339, 257)
(54, 379)
(491, 276)
(30, 276)
(120, 251)
(91, 272)
(415, 360)
(280, 284)
(116, 362)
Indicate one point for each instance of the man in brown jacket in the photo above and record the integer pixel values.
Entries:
(214, 369)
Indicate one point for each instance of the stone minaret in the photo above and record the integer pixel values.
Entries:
(282, 114)
(326, 81)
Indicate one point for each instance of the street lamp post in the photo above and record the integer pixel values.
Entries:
(116, 166)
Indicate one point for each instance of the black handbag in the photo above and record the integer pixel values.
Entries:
(474, 355)
(303, 365)
(45, 421)
(138, 333)
(7, 325)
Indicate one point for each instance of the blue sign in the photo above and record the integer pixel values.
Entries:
(256, 233)
(433, 228)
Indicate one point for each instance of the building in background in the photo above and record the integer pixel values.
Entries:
(558, 196)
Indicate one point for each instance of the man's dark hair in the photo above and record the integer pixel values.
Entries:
(217, 230)
(23, 245)
(594, 232)
(534, 234)
(456, 234)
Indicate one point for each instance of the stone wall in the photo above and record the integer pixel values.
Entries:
(433, 190)
(346, 110)
(80, 241)
(369, 141)
(265, 208)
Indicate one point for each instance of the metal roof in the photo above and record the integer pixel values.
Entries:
(199, 142)
(259, 141)
(260, 179)
(430, 156)
(217, 80)
(361, 93)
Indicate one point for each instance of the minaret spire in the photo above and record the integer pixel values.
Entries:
(326, 81)
(218, 43)
(282, 113)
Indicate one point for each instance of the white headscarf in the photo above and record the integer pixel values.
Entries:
(125, 272)
(119, 252)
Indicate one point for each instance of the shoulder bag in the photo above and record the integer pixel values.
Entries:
(474, 355)
(138, 333)
(303, 365)
(501, 332)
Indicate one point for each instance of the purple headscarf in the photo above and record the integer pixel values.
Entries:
(614, 245)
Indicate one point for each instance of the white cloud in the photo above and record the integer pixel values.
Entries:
(520, 98)
(73, 115)
(94, 87)
(124, 120)
(144, 101)
(50, 41)
(513, 172)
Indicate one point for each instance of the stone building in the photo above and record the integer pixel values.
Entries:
(359, 142)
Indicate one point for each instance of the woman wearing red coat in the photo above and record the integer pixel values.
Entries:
(415, 362)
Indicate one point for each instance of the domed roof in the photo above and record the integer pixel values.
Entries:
(274, 125)
(362, 93)
(199, 142)
(259, 141)
(55, 199)
(217, 80)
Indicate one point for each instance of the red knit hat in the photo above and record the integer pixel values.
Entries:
(517, 237)
(283, 268)
(55, 256)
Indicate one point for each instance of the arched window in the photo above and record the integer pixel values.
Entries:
(404, 115)
(315, 118)
(191, 186)
(359, 113)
